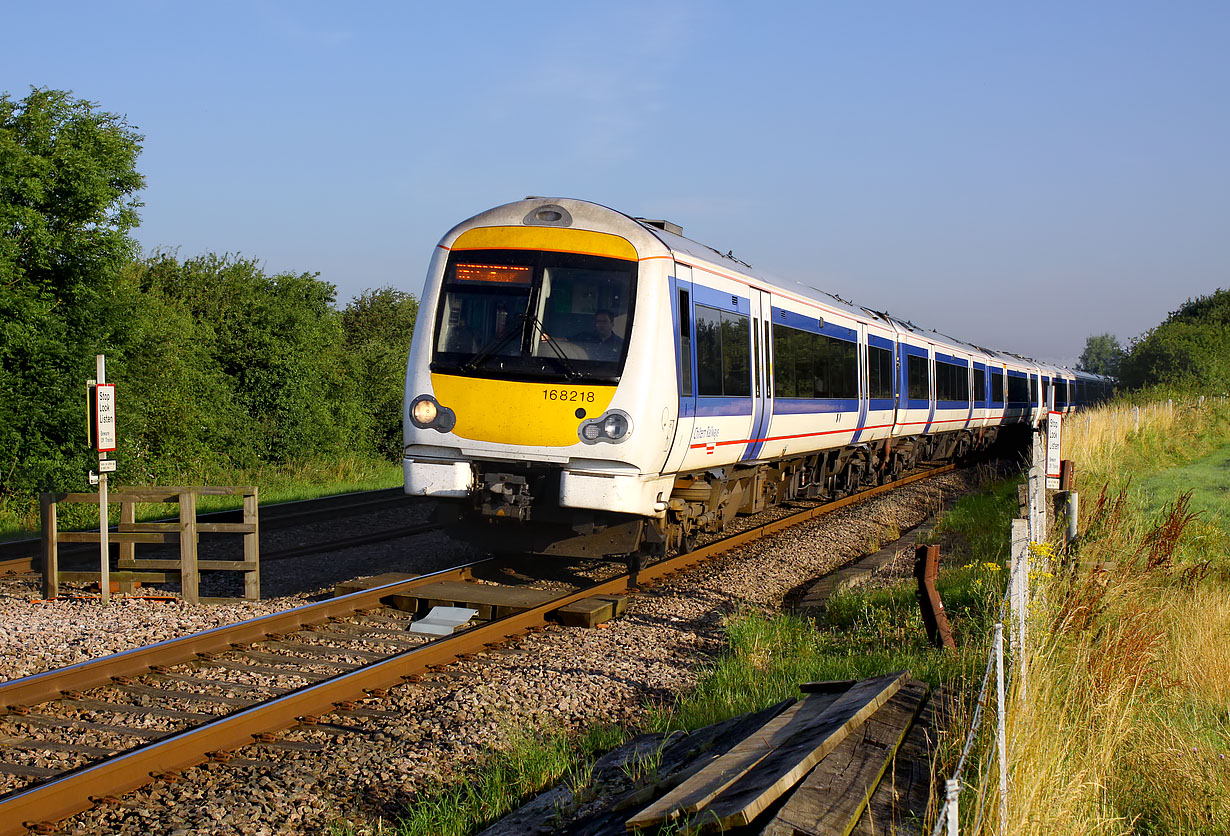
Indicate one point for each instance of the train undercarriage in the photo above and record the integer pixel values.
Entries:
(517, 509)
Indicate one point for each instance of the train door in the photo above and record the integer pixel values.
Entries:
(762, 394)
(685, 365)
(863, 378)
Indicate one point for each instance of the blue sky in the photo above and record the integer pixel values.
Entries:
(1019, 175)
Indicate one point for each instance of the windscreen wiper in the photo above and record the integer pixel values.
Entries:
(493, 346)
(570, 371)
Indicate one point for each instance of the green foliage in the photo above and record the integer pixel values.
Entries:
(1190, 350)
(68, 181)
(1102, 355)
(377, 326)
(221, 368)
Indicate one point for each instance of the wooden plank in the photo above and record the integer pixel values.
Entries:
(588, 612)
(171, 563)
(706, 784)
(490, 601)
(828, 686)
(226, 528)
(834, 794)
(121, 576)
(786, 765)
(900, 803)
(118, 537)
(358, 584)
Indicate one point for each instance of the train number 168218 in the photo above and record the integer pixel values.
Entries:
(569, 395)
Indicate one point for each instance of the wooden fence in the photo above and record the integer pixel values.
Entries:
(129, 533)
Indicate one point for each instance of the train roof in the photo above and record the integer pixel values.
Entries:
(671, 236)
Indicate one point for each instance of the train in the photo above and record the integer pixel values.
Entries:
(582, 383)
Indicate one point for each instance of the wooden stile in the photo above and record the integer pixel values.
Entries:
(835, 793)
(787, 764)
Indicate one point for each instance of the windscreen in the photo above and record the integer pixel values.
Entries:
(534, 315)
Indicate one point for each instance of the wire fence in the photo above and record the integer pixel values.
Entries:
(1015, 603)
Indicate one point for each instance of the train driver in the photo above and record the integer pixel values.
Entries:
(602, 343)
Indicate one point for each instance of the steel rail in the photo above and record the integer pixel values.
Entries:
(73, 792)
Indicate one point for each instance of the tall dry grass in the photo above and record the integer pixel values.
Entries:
(1125, 725)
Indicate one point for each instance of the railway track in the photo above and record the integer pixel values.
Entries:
(149, 713)
(22, 556)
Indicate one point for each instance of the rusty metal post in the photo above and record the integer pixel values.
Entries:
(1067, 475)
(926, 570)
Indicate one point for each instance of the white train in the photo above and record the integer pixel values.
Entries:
(589, 384)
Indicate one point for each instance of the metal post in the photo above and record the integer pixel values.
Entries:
(1136, 413)
(1003, 728)
(104, 544)
(953, 793)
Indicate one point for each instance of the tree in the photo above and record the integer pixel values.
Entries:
(68, 185)
(378, 325)
(1102, 355)
(1191, 349)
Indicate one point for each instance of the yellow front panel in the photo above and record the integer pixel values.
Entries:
(522, 414)
(561, 240)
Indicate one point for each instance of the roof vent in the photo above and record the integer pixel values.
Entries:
(665, 226)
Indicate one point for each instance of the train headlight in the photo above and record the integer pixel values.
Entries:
(615, 426)
(426, 413)
(611, 427)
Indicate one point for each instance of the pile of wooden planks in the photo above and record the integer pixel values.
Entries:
(849, 757)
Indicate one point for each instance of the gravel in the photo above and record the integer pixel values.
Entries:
(363, 769)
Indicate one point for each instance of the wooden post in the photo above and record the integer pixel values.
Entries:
(51, 554)
(926, 570)
(189, 579)
(127, 550)
(251, 549)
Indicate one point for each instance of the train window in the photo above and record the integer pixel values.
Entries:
(879, 372)
(997, 387)
(980, 385)
(723, 346)
(1018, 390)
(951, 382)
(685, 344)
(916, 372)
(808, 365)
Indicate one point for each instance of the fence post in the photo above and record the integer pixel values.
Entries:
(1020, 592)
(952, 796)
(188, 577)
(1073, 510)
(251, 549)
(51, 552)
(1003, 727)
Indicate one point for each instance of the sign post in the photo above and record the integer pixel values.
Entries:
(1054, 428)
(102, 431)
